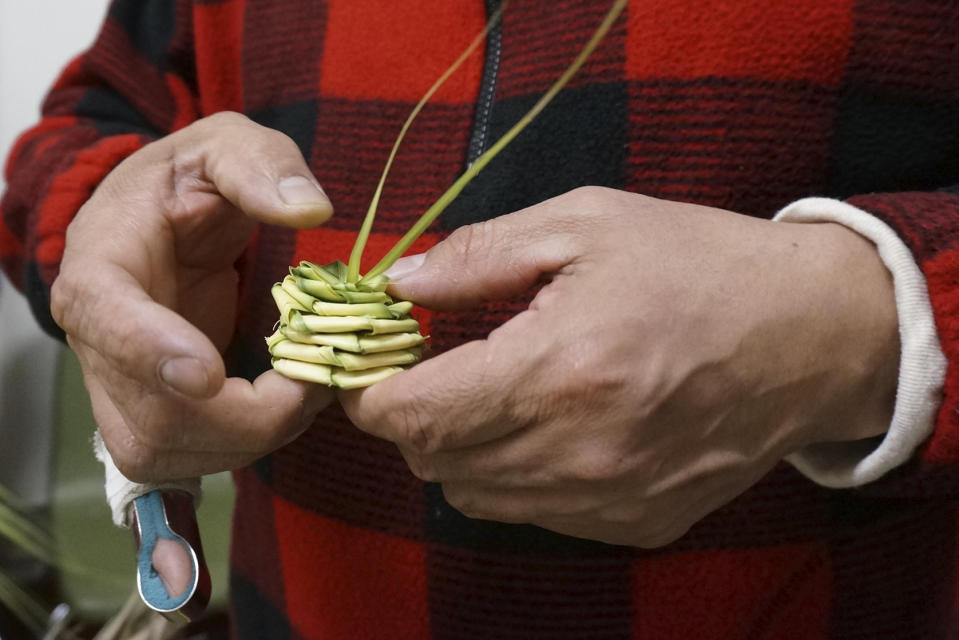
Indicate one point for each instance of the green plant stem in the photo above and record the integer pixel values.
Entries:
(353, 273)
(27, 536)
(430, 215)
(24, 605)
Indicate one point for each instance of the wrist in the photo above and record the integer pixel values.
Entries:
(859, 318)
(922, 364)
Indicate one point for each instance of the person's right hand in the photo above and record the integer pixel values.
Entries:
(147, 296)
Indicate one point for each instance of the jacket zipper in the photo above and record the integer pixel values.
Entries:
(479, 140)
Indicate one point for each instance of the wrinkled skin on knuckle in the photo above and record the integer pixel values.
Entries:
(190, 149)
(471, 240)
(471, 244)
(421, 425)
(186, 177)
(417, 431)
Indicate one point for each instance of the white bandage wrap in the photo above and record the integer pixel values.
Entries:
(122, 492)
(922, 366)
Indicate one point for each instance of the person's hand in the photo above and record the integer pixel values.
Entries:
(147, 296)
(675, 355)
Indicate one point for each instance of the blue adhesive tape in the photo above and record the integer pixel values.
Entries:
(151, 518)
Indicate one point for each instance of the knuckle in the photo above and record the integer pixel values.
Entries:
(465, 502)
(472, 242)
(62, 297)
(418, 435)
(136, 461)
(207, 128)
(590, 209)
(587, 193)
(583, 203)
(275, 140)
(75, 300)
(256, 138)
(420, 467)
(464, 239)
(417, 432)
(474, 247)
(154, 422)
(592, 198)
(586, 470)
(594, 465)
(591, 381)
(224, 119)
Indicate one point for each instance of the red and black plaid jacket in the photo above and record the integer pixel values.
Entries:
(740, 104)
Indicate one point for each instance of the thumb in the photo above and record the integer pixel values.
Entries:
(259, 170)
(486, 261)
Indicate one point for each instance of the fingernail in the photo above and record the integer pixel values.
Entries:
(185, 375)
(405, 266)
(299, 190)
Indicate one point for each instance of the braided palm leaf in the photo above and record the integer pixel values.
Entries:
(338, 333)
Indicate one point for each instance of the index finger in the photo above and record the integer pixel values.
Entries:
(478, 392)
(107, 310)
(157, 437)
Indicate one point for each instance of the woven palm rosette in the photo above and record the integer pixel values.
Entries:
(338, 333)
(343, 330)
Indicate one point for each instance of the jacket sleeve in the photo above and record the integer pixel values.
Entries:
(928, 224)
(134, 85)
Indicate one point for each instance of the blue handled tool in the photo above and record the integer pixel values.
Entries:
(170, 515)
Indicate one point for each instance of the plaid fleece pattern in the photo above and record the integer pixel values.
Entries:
(740, 104)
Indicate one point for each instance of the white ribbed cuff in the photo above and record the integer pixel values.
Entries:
(922, 367)
(122, 492)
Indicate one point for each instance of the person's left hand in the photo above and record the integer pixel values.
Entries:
(675, 355)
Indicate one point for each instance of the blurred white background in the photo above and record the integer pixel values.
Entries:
(37, 38)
